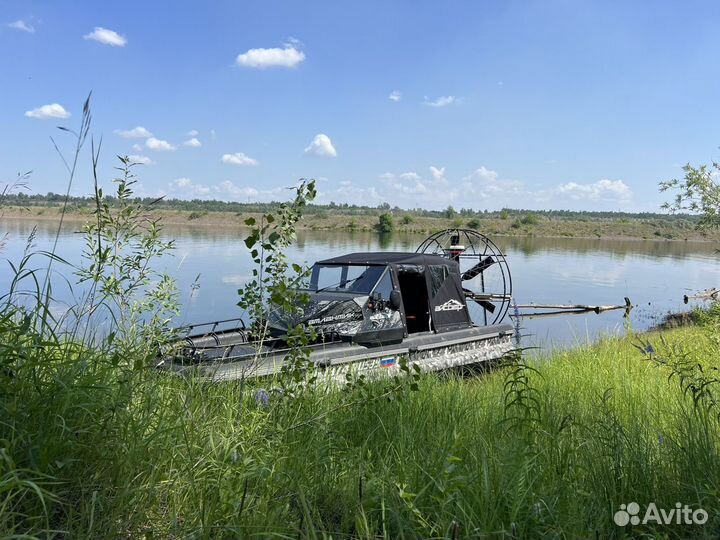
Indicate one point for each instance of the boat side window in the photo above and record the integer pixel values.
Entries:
(384, 286)
(326, 276)
(353, 273)
(438, 275)
(365, 277)
(345, 278)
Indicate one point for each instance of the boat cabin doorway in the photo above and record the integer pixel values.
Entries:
(413, 289)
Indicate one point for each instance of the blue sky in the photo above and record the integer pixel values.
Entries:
(552, 104)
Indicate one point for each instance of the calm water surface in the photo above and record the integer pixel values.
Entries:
(653, 274)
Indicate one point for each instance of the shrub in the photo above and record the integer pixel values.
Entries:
(530, 219)
(473, 223)
(385, 223)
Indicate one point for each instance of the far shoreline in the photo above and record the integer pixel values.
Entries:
(605, 229)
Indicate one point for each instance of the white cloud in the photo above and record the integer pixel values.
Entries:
(236, 192)
(182, 182)
(239, 158)
(53, 110)
(352, 194)
(193, 143)
(137, 147)
(138, 132)
(486, 184)
(602, 189)
(395, 95)
(437, 192)
(483, 188)
(229, 190)
(480, 189)
(291, 41)
(407, 183)
(106, 37)
(23, 26)
(438, 174)
(321, 145)
(483, 174)
(185, 188)
(409, 176)
(289, 56)
(159, 145)
(193, 133)
(442, 101)
(143, 160)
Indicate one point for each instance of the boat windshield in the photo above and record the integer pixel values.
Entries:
(358, 279)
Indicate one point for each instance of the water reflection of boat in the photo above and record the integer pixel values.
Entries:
(369, 311)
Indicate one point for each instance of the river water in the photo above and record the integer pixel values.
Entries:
(209, 264)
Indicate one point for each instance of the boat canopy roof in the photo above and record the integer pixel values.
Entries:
(388, 257)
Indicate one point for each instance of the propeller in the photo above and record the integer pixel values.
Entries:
(478, 268)
(489, 306)
(481, 300)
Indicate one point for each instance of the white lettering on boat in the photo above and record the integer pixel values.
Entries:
(450, 305)
(333, 318)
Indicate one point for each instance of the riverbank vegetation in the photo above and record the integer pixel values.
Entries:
(97, 444)
(343, 217)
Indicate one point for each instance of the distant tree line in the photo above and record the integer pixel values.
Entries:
(319, 210)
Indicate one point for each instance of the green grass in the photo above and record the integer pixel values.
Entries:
(98, 449)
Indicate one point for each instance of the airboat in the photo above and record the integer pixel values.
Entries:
(440, 307)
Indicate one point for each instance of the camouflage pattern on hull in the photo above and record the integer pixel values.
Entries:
(345, 318)
(436, 359)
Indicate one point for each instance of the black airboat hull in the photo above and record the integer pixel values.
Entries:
(430, 351)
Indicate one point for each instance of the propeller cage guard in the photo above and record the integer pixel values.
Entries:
(483, 267)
